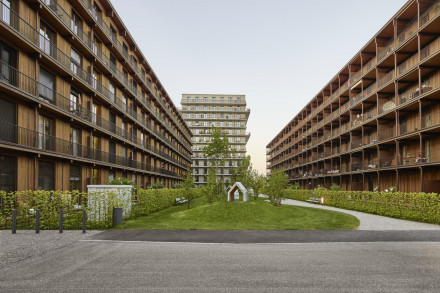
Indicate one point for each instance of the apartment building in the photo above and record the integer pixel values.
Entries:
(79, 103)
(376, 123)
(227, 112)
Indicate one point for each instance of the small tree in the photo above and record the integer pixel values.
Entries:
(218, 149)
(188, 184)
(257, 183)
(211, 188)
(275, 185)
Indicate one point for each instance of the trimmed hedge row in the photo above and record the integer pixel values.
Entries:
(421, 207)
(153, 200)
(49, 203)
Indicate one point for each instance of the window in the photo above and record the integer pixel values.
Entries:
(45, 139)
(112, 91)
(111, 175)
(8, 173)
(230, 99)
(188, 115)
(205, 123)
(230, 124)
(75, 61)
(7, 121)
(213, 116)
(46, 175)
(214, 108)
(75, 178)
(75, 141)
(196, 99)
(96, 78)
(238, 102)
(222, 108)
(222, 99)
(124, 103)
(125, 49)
(205, 115)
(196, 108)
(197, 115)
(113, 34)
(205, 108)
(94, 111)
(427, 154)
(5, 8)
(213, 99)
(113, 63)
(230, 108)
(238, 109)
(47, 39)
(76, 24)
(188, 99)
(8, 64)
(47, 85)
(75, 98)
(205, 100)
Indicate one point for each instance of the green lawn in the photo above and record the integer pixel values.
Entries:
(252, 215)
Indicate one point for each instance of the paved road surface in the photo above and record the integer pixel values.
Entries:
(113, 266)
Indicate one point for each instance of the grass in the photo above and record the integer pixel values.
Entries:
(253, 215)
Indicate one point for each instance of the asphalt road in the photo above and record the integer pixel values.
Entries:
(269, 236)
(143, 266)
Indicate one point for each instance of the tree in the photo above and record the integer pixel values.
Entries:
(242, 173)
(218, 149)
(188, 184)
(257, 183)
(211, 188)
(275, 186)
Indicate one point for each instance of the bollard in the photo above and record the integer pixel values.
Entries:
(84, 221)
(37, 221)
(14, 221)
(61, 221)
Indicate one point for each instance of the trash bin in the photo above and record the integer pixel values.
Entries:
(117, 216)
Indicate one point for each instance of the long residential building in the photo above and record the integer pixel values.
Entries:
(79, 103)
(227, 112)
(376, 124)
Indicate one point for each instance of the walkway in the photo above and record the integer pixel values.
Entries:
(369, 221)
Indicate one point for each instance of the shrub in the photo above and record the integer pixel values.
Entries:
(335, 187)
(422, 207)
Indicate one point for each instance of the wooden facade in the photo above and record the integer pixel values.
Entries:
(79, 103)
(376, 124)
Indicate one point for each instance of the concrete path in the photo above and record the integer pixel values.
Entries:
(369, 221)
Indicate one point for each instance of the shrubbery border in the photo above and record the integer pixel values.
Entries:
(417, 206)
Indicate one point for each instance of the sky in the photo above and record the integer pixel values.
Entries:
(278, 53)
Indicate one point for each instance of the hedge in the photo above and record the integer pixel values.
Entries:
(49, 203)
(153, 200)
(421, 207)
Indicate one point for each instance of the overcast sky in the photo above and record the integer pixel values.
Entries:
(278, 53)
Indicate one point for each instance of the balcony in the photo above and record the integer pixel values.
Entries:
(40, 142)
(48, 96)
(430, 13)
(407, 32)
(386, 50)
(408, 64)
(430, 49)
(50, 50)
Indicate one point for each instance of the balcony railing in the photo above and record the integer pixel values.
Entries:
(23, 137)
(77, 30)
(430, 49)
(386, 133)
(407, 32)
(372, 164)
(15, 22)
(408, 64)
(430, 13)
(385, 79)
(370, 64)
(15, 78)
(386, 50)
(356, 143)
(387, 161)
(409, 127)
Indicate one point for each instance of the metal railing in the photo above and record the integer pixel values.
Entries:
(28, 138)
(13, 77)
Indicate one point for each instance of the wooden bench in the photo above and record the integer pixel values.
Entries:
(180, 201)
(317, 200)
